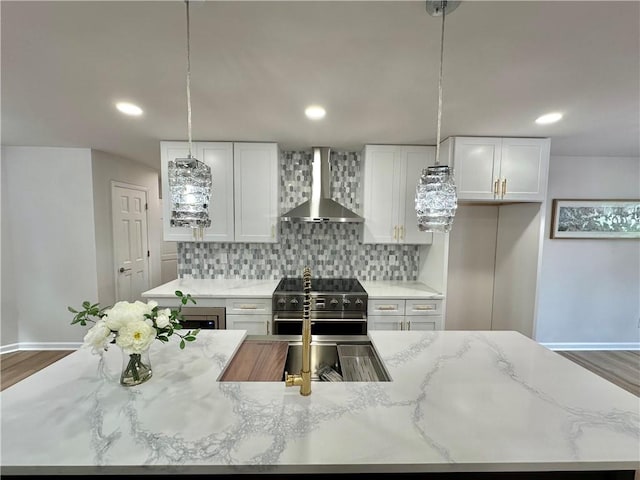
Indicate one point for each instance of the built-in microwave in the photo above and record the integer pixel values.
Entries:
(209, 318)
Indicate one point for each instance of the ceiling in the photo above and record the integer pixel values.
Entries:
(255, 66)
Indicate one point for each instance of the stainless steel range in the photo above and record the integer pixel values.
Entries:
(338, 307)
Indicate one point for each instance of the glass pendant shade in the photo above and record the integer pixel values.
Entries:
(436, 200)
(190, 192)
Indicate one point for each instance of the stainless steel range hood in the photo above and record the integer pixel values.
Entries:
(321, 208)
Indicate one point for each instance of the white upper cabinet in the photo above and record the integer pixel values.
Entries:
(219, 156)
(391, 174)
(256, 195)
(244, 198)
(499, 169)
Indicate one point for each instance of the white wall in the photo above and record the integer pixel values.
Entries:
(48, 243)
(107, 168)
(590, 289)
(8, 309)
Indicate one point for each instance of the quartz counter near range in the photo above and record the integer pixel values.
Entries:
(403, 305)
(457, 402)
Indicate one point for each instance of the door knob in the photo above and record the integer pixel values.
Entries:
(122, 269)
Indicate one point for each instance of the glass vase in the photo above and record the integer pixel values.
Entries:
(136, 368)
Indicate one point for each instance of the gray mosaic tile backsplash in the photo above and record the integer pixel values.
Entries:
(331, 250)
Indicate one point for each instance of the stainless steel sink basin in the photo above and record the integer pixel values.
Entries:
(346, 359)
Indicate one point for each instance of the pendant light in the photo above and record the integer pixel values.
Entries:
(189, 178)
(436, 200)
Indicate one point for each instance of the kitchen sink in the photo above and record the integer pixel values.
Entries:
(334, 358)
(340, 360)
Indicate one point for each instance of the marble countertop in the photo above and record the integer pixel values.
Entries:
(215, 288)
(232, 288)
(399, 289)
(458, 401)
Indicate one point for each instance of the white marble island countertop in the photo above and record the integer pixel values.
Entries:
(457, 402)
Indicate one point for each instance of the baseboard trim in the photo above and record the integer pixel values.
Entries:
(592, 346)
(14, 347)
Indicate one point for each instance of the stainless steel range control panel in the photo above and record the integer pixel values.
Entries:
(332, 302)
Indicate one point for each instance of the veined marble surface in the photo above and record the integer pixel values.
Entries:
(458, 401)
(397, 289)
(233, 288)
(215, 288)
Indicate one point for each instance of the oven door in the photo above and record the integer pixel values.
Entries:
(322, 323)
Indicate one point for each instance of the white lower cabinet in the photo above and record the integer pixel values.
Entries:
(250, 314)
(405, 314)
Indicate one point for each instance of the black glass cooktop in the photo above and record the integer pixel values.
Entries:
(325, 285)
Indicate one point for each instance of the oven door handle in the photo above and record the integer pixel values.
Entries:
(361, 318)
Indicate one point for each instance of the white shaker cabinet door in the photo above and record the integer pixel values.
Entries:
(414, 160)
(476, 167)
(381, 192)
(256, 185)
(524, 169)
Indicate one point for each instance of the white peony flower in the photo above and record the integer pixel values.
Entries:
(135, 336)
(124, 312)
(164, 318)
(98, 337)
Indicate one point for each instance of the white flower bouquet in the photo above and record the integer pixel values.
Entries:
(133, 326)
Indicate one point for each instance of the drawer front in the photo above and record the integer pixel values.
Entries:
(386, 307)
(253, 324)
(385, 322)
(424, 307)
(248, 306)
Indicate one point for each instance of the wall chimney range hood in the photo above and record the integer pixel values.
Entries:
(321, 208)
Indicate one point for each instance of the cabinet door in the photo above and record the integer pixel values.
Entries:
(253, 324)
(381, 193)
(375, 322)
(476, 162)
(427, 322)
(256, 192)
(524, 169)
(219, 156)
(414, 160)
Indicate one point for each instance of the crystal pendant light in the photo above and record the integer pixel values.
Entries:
(436, 199)
(189, 178)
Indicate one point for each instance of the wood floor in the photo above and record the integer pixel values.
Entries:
(16, 366)
(619, 367)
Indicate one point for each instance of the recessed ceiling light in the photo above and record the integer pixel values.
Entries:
(129, 108)
(548, 118)
(315, 112)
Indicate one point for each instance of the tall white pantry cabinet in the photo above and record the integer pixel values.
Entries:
(495, 245)
(245, 190)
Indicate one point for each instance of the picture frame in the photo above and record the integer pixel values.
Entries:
(595, 219)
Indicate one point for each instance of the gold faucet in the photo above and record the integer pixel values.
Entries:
(304, 378)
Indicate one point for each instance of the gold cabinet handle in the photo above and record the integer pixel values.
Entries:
(386, 307)
(395, 232)
(409, 325)
(273, 231)
(496, 185)
(248, 307)
(424, 307)
(504, 187)
(401, 232)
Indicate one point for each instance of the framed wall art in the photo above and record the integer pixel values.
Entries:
(595, 218)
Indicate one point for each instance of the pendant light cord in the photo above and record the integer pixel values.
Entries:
(444, 3)
(188, 79)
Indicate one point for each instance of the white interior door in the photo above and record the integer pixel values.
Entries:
(130, 249)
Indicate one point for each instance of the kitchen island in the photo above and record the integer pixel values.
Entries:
(457, 402)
